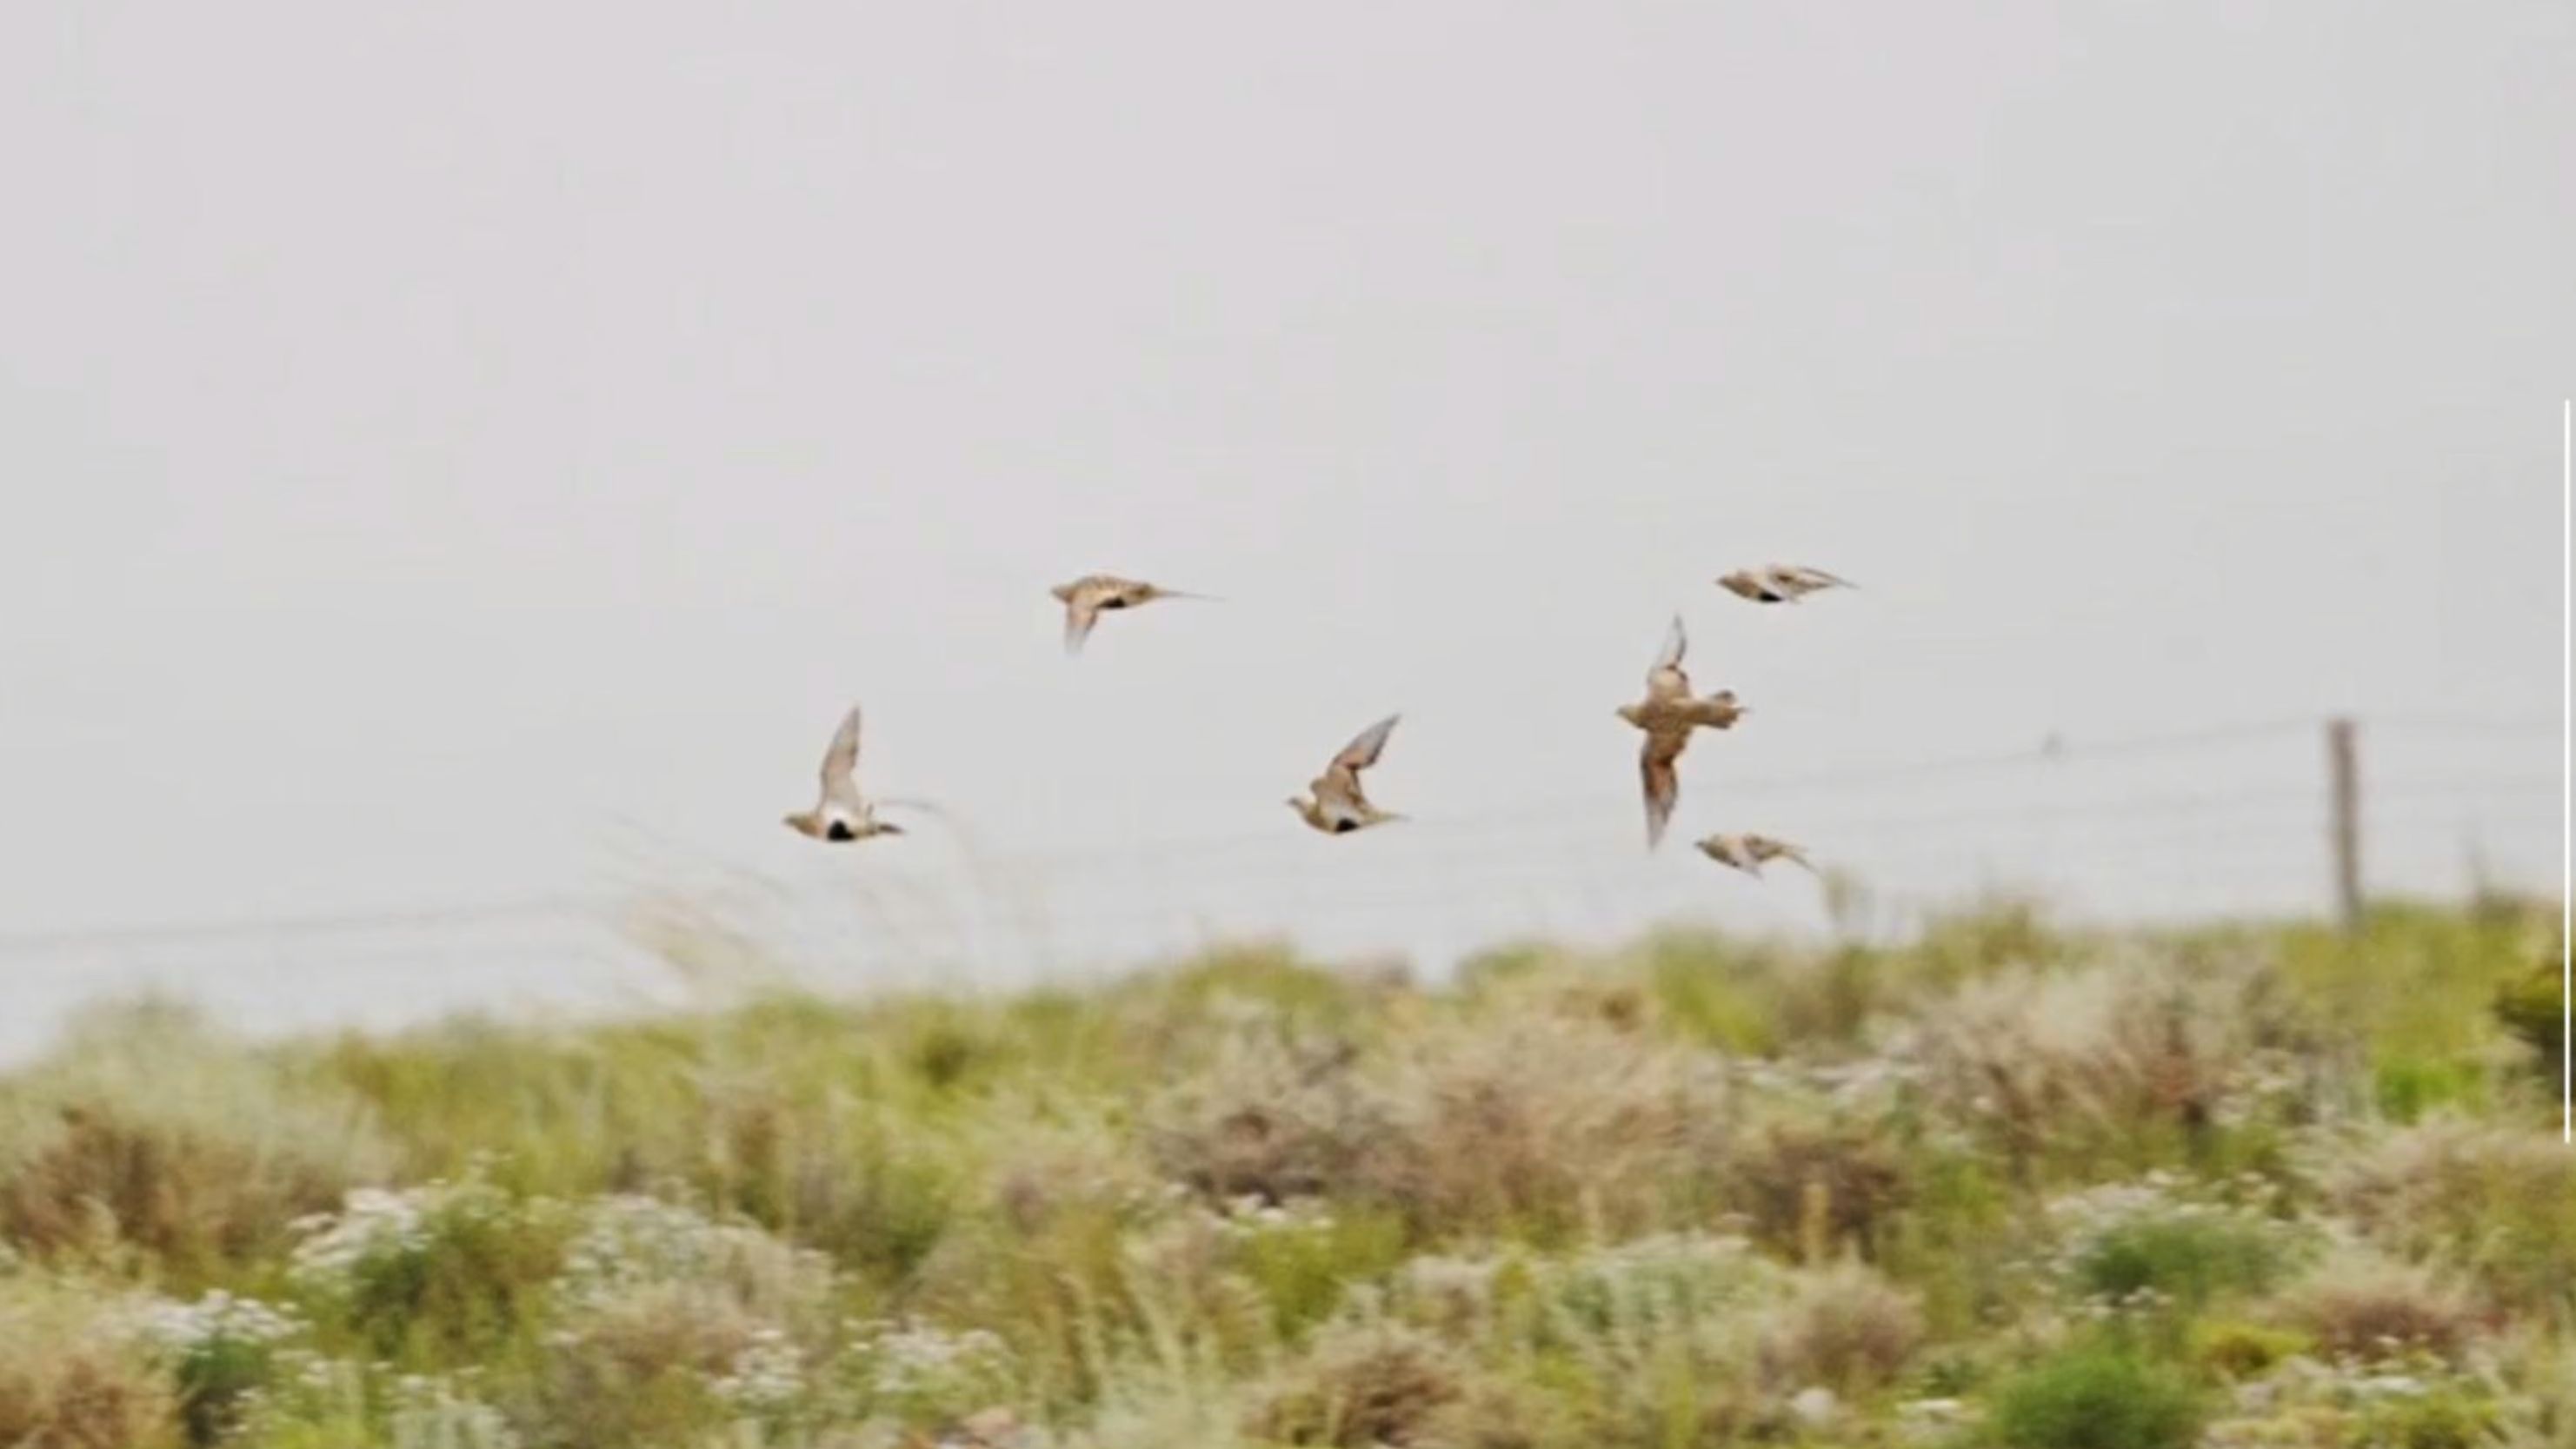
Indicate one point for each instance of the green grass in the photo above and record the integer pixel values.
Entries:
(2008, 1185)
(2192, 1260)
(2096, 1398)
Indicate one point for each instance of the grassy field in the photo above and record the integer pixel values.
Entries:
(2008, 1185)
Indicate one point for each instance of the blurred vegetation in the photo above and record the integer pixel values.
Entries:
(2007, 1185)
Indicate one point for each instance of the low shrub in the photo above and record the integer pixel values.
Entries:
(2095, 1398)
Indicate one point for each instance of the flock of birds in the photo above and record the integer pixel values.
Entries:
(1334, 802)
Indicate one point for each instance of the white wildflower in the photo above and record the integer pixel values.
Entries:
(628, 1242)
(376, 1225)
(432, 1413)
(767, 1378)
(218, 1319)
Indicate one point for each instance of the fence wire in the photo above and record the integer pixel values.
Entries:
(2211, 821)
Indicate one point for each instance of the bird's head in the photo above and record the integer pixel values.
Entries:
(888, 827)
(1300, 804)
(1063, 593)
(1627, 712)
(800, 822)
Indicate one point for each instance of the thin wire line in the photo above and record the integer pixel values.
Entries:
(2464, 724)
(1481, 847)
(533, 907)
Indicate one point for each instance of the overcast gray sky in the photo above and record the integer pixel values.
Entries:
(434, 432)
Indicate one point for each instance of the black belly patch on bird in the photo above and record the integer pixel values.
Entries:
(840, 830)
(1345, 827)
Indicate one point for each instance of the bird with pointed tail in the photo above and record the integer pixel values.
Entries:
(1780, 583)
(842, 814)
(1335, 803)
(1088, 597)
(1747, 852)
(1668, 714)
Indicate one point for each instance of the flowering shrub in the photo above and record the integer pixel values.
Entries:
(768, 1379)
(221, 1348)
(454, 1262)
(432, 1412)
(2148, 1243)
(919, 1373)
(626, 1243)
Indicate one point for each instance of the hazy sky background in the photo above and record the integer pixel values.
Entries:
(433, 434)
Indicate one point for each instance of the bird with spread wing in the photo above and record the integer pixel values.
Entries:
(842, 814)
(1088, 597)
(1668, 714)
(1334, 802)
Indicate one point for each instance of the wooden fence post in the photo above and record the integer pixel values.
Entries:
(2344, 767)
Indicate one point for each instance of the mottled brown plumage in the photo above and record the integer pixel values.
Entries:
(1335, 803)
(1088, 597)
(1747, 852)
(1668, 714)
(842, 814)
(1780, 583)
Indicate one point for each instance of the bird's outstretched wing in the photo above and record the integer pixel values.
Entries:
(1676, 644)
(1717, 711)
(841, 762)
(1080, 613)
(1365, 746)
(1765, 846)
(1339, 786)
(1665, 679)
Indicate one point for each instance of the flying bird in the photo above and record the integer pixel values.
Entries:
(1335, 803)
(1747, 852)
(842, 814)
(1668, 714)
(1780, 583)
(1088, 597)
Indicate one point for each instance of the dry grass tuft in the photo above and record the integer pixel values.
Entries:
(642, 1359)
(72, 1378)
(2361, 1306)
(1843, 1327)
(1547, 1125)
(2495, 1203)
(1362, 1383)
(1817, 1189)
(1274, 1115)
(2116, 1063)
(149, 1132)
